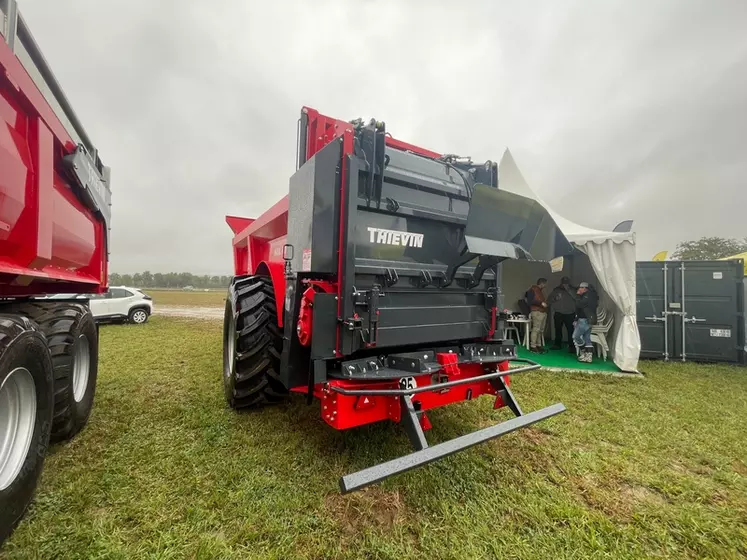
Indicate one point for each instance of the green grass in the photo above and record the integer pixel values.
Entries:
(191, 299)
(637, 468)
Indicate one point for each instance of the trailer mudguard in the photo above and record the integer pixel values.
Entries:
(275, 271)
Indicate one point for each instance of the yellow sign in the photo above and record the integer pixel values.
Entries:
(660, 256)
(742, 256)
(556, 265)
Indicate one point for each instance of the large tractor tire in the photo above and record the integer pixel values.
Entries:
(26, 406)
(252, 343)
(73, 341)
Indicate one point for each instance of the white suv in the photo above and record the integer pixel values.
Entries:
(118, 303)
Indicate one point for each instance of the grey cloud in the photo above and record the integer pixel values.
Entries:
(612, 110)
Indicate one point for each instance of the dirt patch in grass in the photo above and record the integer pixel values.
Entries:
(588, 489)
(719, 498)
(698, 469)
(369, 508)
(635, 494)
(537, 437)
(739, 467)
(616, 499)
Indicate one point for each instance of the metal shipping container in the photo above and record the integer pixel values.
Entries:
(691, 310)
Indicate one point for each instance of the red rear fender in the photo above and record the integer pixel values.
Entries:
(275, 271)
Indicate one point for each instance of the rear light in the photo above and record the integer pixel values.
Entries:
(147, 297)
(364, 402)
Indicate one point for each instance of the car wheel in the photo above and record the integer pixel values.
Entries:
(138, 316)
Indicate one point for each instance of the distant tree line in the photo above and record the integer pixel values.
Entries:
(168, 280)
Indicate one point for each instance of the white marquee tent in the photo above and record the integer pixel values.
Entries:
(604, 258)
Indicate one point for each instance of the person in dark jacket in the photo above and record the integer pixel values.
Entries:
(587, 300)
(563, 304)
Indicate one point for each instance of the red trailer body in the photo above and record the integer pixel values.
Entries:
(50, 240)
(54, 223)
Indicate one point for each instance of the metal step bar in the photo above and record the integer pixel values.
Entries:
(425, 454)
(372, 475)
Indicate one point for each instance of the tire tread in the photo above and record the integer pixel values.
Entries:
(256, 362)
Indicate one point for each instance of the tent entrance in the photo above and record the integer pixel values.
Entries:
(605, 259)
(517, 276)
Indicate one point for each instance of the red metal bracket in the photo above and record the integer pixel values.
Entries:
(449, 361)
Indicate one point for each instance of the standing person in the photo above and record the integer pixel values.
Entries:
(563, 305)
(538, 315)
(586, 316)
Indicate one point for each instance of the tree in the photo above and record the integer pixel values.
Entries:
(184, 279)
(176, 280)
(709, 248)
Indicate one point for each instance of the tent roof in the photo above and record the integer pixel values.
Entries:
(511, 180)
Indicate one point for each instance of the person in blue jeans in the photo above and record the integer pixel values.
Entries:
(586, 316)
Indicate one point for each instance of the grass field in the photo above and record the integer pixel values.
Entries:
(637, 468)
(188, 299)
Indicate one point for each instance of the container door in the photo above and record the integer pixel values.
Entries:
(652, 291)
(711, 324)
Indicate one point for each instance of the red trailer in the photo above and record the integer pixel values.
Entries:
(54, 223)
(373, 287)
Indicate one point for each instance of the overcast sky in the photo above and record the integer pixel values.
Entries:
(612, 110)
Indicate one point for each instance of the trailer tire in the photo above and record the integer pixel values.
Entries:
(252, 343)
(26, 407)
(73, 342)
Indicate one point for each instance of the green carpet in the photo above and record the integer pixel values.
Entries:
(561, 359)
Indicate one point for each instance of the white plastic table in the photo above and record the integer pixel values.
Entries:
(522, 325)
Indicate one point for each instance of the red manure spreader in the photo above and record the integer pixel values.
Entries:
(54, 224)
(374, 288)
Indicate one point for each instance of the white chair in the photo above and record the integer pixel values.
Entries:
(600, 330)
(515, 330)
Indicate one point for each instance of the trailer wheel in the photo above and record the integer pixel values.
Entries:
(73, 341)
(26, 405)
(252, 343)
